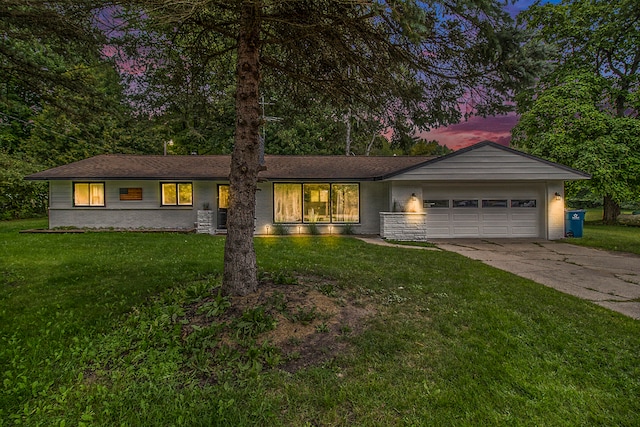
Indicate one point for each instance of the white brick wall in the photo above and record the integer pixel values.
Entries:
(403, 226)
(206, 224)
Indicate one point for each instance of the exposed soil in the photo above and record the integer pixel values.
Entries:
(313, 319)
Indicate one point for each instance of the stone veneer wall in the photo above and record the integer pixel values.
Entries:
(206, 224)
(403, 226)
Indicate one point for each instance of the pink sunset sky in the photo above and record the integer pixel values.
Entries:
(476, 129)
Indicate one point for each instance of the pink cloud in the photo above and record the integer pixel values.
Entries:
(476, 129)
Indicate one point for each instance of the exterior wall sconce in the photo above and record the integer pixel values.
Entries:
(414, 204)
(267, 230)
(558, 196)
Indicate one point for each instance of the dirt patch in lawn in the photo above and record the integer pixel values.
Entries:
(305, 321)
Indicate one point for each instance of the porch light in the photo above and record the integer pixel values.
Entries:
(558, 196)
(267, 230)
(413, 205)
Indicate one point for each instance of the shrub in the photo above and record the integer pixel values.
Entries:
(280, 230)
(313, 229)
(631, 220)
(20, 198)
(348, 230)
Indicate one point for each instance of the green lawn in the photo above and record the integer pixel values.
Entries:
(90, 334)
(612, 238)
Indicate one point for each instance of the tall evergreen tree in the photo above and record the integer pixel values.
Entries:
(417, 59)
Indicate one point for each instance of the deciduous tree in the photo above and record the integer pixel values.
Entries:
(592, 87)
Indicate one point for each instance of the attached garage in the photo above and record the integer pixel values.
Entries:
(486, 190)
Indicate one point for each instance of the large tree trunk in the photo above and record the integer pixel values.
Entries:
(240, 270)
(611, 210)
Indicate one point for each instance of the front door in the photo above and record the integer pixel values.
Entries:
(223, 205)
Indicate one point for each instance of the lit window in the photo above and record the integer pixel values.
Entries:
(287, 202)
(177, 194)
(88, 194)
(316, 203)
(345, 202)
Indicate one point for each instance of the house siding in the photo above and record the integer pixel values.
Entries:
(130, 214)
(487, 164)
(264, 208)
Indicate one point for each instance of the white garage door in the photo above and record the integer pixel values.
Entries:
(490, 216)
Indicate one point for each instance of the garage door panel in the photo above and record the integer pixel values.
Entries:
(495, 217)
(466, 217)
(436, 232)
(465, 231)
(439, 216)
(524, 231)
(495, 231)
(524, 216)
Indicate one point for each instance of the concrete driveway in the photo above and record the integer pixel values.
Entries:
(609, 279)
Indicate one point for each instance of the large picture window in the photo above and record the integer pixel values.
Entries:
(88, 194)
(316, 203)
(177, 194)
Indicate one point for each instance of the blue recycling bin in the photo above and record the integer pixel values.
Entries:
(574, 223)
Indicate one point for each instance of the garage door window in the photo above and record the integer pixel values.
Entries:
(494, 203)
(466, 203)
(436, 203)
(523, 203)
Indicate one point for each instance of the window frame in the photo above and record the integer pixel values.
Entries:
(89, 204)
(176, 185)
(302, 202)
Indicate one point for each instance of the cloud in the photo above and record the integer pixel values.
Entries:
(476, 129)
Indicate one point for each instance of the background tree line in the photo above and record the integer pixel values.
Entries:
(69, 90)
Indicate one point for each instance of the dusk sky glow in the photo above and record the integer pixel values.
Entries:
(477, 129)
(456, 136)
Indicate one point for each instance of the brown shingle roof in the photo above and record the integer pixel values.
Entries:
(119, 166)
